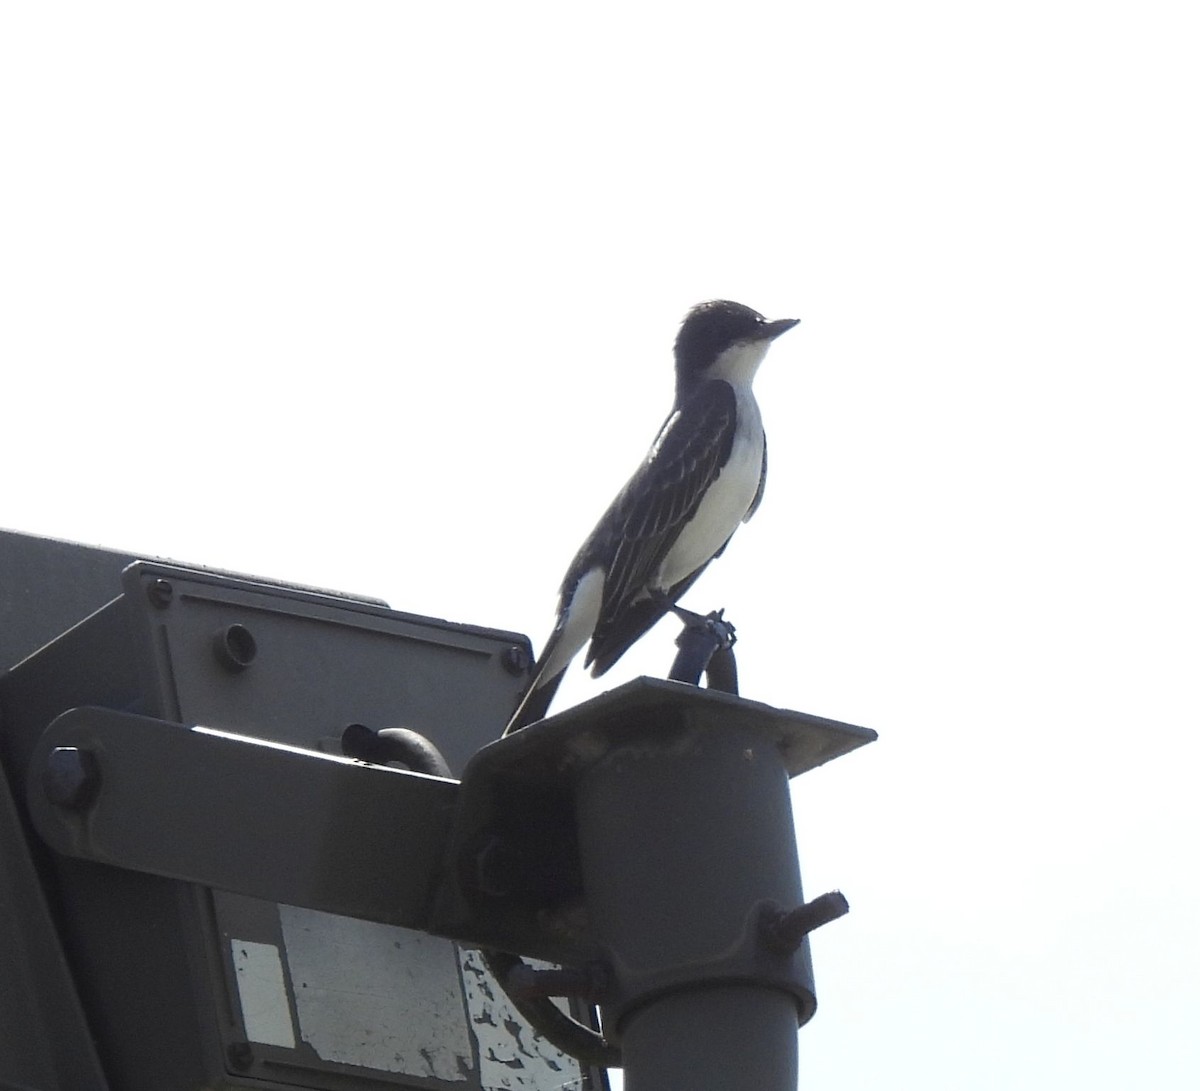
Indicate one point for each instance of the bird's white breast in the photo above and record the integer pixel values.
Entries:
(725, 503)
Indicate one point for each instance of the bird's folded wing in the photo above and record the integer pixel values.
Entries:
(651, 511)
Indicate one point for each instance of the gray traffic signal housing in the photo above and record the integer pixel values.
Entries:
(207, 892)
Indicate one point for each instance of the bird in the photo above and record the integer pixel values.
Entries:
(701, 479)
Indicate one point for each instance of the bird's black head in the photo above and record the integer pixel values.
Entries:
(711, 329)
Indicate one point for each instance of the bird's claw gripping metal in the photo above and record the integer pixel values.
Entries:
(705, 647)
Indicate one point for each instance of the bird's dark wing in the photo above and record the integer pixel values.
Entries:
(642, 524)
(634, 621)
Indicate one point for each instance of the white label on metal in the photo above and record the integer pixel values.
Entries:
(265, 1011)
(377, 996)
(511, 1056)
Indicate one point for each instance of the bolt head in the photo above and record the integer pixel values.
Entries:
(160, 592)
(516, 660)
(71, 778)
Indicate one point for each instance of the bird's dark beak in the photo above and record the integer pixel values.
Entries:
(771, 330)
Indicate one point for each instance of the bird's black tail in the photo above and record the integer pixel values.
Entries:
(535, 702)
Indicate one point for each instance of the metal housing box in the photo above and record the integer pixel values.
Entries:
(184, 987)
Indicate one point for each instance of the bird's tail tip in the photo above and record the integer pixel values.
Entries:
(534, 704)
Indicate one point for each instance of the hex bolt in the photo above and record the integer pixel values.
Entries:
(497, 868)
(71, 778)
(235, 648)
(784, 930)
(160, 592)
(515, 660)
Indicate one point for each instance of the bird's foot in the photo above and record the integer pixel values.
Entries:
(705, 647)
(713, 622)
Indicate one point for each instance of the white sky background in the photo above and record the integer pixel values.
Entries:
(352, 294)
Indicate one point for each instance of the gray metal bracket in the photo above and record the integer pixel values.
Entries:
(671, 806)
(241, 814)
(516, 825)
(493, 861)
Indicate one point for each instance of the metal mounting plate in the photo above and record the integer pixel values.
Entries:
(593, 727)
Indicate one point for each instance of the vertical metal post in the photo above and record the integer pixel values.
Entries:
(728, 1037)
(686, 840)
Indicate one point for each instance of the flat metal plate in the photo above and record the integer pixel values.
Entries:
(573, 740)
(321, 663)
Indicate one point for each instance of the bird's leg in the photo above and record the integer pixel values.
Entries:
(705, 647)
(713, 621)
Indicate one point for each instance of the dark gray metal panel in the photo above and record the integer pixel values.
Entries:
(319, 664)
(46, 586)
(45, 1042)
(152, 955)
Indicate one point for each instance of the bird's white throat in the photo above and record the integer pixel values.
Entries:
(738, 364)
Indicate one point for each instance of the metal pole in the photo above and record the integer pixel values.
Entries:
(729, 1037)
(686, 844)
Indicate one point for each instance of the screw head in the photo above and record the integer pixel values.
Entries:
(71, 778)
(160, 592)
(515, 660)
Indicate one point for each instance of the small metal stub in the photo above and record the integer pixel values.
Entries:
(784, 930)
(235, 648)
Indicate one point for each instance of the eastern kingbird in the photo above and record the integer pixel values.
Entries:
(704, 474)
